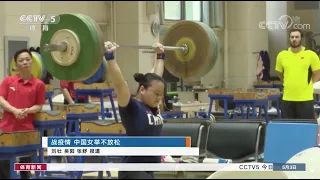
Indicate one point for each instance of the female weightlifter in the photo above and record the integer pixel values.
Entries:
(140, 116)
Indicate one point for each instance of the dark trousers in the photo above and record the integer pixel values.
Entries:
(67, 125)
(135, 175)
(297, 109)
(5, 169)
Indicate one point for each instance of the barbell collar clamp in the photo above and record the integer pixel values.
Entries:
(184, 49)
(172, 48)
(62, 47)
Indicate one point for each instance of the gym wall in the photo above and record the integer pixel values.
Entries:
(278, 38)
(244, 39)
(308, 12)
(133, 26)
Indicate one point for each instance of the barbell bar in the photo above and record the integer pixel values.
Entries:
(183, 48)
(55, 47)
(62, 46)
(74, 48)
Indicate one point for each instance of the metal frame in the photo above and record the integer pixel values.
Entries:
(6, 71)
(201, 158)
(201, 11)
(256, 154)
(164, 21)
(199, 135)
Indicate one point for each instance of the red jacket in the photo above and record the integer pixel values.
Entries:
(70, 87)
(21, 95)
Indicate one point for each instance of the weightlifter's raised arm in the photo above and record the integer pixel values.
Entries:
(120, 85)
(158, 67)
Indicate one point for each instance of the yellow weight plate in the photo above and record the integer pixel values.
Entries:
(191, 49)
(202, 51)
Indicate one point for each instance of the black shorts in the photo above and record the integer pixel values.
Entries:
(80, 101)
(297, 109)
(135, 175)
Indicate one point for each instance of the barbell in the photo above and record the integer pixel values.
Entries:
(73, 49)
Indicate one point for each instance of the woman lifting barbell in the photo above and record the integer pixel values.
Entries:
(140, 116)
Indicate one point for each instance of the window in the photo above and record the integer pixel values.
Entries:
(193, 10)
(172, 10)
(182, 10)
(208, 12)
